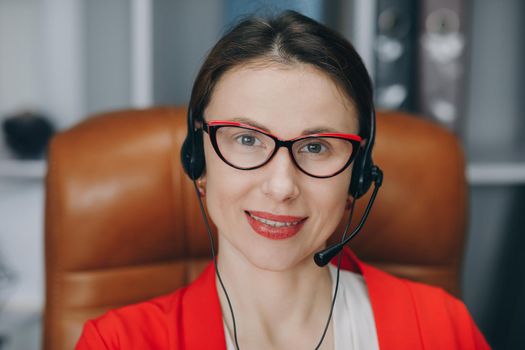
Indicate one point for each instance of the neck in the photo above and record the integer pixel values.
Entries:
(263, 299)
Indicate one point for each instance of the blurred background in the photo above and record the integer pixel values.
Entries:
(457, 62)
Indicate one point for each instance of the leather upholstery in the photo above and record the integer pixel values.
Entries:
(122, 219)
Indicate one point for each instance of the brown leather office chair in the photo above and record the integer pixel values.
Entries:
(122, 222)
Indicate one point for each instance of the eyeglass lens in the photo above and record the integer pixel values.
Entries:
(319, 156)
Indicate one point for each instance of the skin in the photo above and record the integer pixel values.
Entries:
(280, 297)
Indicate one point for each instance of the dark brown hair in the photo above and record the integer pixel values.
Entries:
(288, 38)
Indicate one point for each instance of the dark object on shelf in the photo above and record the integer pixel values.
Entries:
(27, 134)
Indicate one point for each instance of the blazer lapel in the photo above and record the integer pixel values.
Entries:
(201, 314)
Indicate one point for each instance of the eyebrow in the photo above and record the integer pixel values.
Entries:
(250, 122)
(317, 130)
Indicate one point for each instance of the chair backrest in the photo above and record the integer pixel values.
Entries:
(122, 221)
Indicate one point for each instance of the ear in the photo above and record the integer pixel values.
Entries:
(349, 201)
(201, 185)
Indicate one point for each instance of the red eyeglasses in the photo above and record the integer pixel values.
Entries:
(246, 147)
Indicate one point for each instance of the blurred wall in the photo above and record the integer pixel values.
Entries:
(183, 32)
(106, 47)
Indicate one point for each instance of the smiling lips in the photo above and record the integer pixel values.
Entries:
(274, 226)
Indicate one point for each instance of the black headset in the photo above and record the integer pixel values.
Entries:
(192, 151)
(192, 157)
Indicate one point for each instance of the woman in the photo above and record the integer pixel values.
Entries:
(279, 140)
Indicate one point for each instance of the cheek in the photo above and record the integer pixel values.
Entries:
(224, 186)
(220, 177)
(334, 191)
(329, 199)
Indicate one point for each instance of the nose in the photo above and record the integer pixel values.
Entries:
(281, 177)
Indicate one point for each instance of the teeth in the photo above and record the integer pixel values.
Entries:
(274, 223)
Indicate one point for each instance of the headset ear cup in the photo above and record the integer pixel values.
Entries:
(361, 176)
(367, 179)
(357, 171)
(197, 158)
(192, 155)
(185, 156)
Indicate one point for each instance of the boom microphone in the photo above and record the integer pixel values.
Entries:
(322, 257)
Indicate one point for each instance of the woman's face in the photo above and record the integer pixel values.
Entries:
(287, 101)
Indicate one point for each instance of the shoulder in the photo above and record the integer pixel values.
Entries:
(172, 321)
(424, 297)
(149, 324)
(437, 317)
(441, 313)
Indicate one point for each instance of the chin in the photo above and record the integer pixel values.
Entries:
(266, 254)
(276, 260)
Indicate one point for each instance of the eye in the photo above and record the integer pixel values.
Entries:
(248, 140)
(314, 147)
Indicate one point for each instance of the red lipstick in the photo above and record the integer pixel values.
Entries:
(275, 226)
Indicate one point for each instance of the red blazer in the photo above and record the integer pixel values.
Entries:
(408, 315)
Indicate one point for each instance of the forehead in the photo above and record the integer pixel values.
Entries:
(286, 99)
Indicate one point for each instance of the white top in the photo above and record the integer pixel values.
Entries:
(353, 319)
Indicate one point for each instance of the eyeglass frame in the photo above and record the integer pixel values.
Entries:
(211, 128)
